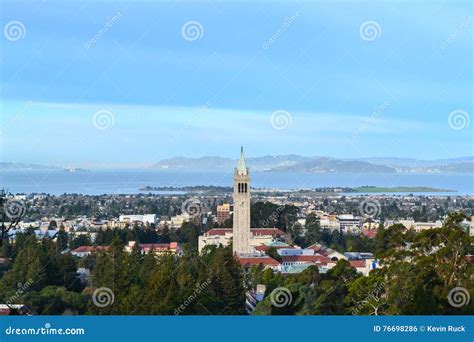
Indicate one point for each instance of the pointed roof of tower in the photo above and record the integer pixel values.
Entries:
(242, 167)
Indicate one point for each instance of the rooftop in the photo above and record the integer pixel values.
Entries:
(253, 260)
(255, 231)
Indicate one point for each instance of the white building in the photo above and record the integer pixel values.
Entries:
(364, 266)
(223, 236)
(148, 218)
(349, 223)
(327, 223)
(417, 226)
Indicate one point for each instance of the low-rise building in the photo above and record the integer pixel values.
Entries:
(15, 309)
(349, 223)
(222, 236)
(84, 251)
(364, 266)
(327, 252)
(420, 226)
(156, 248)
(176, 221)
(248, 261)
(274, 243)
(143, 219)
(223, 213)
(315, 259)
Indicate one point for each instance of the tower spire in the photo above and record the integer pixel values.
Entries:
(242, 167)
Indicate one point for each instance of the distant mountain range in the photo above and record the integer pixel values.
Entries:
(25, 166)
(410, 162)
(297, 163)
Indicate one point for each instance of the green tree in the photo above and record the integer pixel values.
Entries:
(228, 282)
(62, 240)
(313, 230)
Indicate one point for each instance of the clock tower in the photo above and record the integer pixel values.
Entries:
(241, 227)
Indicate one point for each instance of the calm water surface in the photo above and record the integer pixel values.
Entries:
(130, 181)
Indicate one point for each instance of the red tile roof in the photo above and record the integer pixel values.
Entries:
(370, 233)
(248, 261)
(264, 248)
(218, 231)
(266, 231)
(357, 263)
(323, 250)
(316, 247)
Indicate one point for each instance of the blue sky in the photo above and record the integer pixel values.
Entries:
(162, 93)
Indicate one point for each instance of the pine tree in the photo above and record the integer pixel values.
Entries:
(228, 282)
(62, 240)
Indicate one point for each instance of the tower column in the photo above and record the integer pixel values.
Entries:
(241, 226)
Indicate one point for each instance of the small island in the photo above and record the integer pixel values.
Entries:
(210, 190)
(76, 169)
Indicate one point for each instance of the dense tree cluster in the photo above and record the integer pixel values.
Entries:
(419, 271)
(166, 285)
(45, 279)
